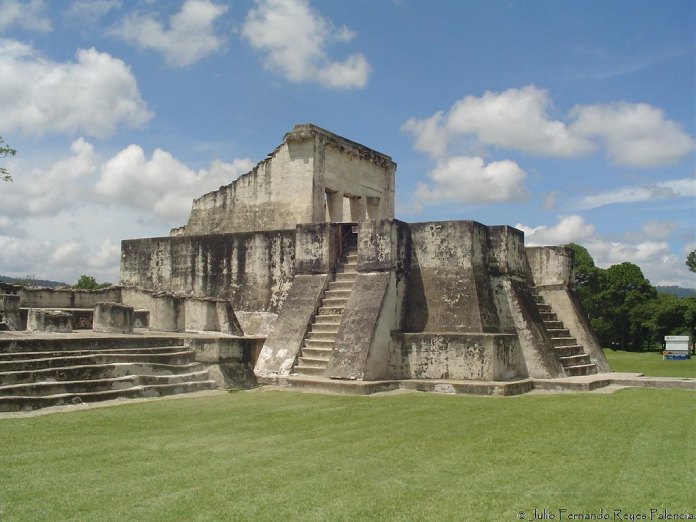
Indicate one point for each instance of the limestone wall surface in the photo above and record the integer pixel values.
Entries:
(38, 297)
(276, 194)
(447, 287)
(314, 176)
(253, 270)
(552, 269)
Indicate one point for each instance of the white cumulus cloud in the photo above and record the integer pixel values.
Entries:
(294, 38)
(468, 179)
(45, 192)
(90, 11)
(569, 229)
(95, 94)
(27, 15)
(161, 185)
(190, 34)
(685, 187)
(634, 134)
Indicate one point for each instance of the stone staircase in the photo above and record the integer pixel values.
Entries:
(320, 339)
(572, 355)
(41, 374)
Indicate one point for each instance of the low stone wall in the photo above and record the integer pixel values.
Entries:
(113, 318)
(37, 297)
(9, 311)
(485, 357)
(230, 360)
(53, 321)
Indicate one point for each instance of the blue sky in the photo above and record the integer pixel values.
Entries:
(573, 121)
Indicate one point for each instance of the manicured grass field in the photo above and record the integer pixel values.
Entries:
(272, 455)
(650, 363)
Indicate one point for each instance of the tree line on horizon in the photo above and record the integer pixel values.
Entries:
(625, 310)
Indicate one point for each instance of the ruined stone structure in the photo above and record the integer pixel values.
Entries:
(306, 250)
(297, 273)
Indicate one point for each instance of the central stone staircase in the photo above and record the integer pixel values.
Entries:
(320, 339)
(572, 355)
(40, 373)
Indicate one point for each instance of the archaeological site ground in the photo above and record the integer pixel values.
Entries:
(297, 275)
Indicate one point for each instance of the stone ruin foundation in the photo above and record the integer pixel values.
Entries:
(306, 251)
(298, 273)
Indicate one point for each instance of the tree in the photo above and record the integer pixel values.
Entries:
(623, 289)
(691, 260)
(86, 283)
(586, 278)
(4, 152)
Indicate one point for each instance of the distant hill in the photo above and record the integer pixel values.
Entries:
(676, 290)
(34, 282)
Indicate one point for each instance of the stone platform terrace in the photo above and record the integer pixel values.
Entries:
(585, 383)
(39, 370)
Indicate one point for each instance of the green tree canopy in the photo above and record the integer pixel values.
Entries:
(691, 260)
(86, 283)
(4, 152)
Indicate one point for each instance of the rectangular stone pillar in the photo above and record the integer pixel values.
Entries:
(9, 311)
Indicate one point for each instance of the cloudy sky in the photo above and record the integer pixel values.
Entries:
(573, 121)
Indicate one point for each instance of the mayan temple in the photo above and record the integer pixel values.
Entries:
(298, 274)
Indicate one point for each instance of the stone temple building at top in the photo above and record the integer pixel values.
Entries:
(306, 251)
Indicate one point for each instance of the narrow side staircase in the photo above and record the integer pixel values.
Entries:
(319, 341)
(572, 355)
(33, 377)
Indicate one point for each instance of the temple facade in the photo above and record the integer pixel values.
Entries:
(306, 251)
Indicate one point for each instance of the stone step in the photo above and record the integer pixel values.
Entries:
(351, 257)
(17, 403)
(85, 343)
(340, 285)
(544, 308)
(181, 357)
(538, 299)
(96, 371)
(316, 353)
(321, 336)
(335, 311)
(324, 328)
(581, 369)
(337, 294)
(569, 350)
(308, 370)
(563, 341)
(575, 360)
(315, 343)
(327, 320)
(558, 332)
(548, 316)
(15, 356)
(45, 388)
(553, 325)
(333, 302)
(348, 268)
(310, 362)
(344, 277)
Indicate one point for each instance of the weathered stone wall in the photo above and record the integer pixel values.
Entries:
(253, 270)
(458, 356)
(38, 297)
(552, 269)
(517, 311)
(448, 287)
(277, 194)
(310, 170)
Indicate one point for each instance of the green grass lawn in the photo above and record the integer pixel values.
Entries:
(650, 363)
(270, 455)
